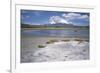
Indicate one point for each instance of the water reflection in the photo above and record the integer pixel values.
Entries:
(57, 33)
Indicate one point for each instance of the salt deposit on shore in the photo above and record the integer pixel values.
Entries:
(59, 51)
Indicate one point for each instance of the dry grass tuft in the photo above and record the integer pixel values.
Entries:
(51, 41)
(41, 46)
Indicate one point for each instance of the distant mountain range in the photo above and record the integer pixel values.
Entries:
(58, 25)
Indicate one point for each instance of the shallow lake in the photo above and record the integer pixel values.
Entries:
(56, 33)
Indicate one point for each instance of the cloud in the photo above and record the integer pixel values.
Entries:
(37, 13)
(77, 18)
(74, 16)
(25, 17)
(70, 18)
(84, 17)
(57, 19)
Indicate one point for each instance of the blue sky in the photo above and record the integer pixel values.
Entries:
(36, 17)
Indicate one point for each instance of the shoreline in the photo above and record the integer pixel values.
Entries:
(54, 37)
(32, 42)
(51, 28)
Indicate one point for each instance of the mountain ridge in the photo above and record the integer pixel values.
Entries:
(58, 25)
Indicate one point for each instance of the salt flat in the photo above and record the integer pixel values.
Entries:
(58, 51)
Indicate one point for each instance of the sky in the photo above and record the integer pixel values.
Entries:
(38, 17)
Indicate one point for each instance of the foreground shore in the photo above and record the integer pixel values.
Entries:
(46, 49)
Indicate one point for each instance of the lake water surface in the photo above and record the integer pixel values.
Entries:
(57, 33)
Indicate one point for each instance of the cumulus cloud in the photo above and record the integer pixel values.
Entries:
(57, 19)
(74, 16)
(84, 17)
(70, 18)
